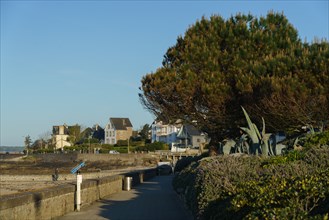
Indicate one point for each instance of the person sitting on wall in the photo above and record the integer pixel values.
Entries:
(55, 176)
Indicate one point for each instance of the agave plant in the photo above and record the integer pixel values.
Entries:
(265, 142)
(228, 147)
(242, 145)
(260, 141)
(253, 132)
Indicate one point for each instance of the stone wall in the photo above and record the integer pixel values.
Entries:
(93, 190)
(44, 204)
(63, 177)
(128, 159)
(57, 201)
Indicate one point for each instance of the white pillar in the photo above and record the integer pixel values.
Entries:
(78, 193)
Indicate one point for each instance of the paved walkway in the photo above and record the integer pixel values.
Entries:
(154, 199)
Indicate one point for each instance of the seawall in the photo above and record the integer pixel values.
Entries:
(57, 201)
(127, 158)
(68, 177)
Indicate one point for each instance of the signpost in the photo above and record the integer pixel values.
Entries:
(79, 181)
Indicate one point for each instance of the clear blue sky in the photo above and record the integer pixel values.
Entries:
(82, 61)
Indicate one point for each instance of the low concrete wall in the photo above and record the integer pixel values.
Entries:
(132, 158)
(93, 190)
(44, 204)
(57, 201)
(141, 176)
(71, 177)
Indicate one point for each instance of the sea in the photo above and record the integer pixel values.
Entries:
(11, 149)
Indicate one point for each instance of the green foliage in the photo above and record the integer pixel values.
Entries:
(27, 141)
(186, 161)
(144, 133)
(123, 149)
(132, 142)
(75, 134)
(184, 184)
(292, 197)
(292, 186)
(91, 141)
(107, 146)
(290, 156)
(153, 147)
(104, 148)
(77, 148)
(122, 143)
(318, 139)
(213, 181)
(43, 151)
(219, 65)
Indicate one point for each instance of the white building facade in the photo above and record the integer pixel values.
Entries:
(182, 135)
(166, 133)
(117, 129)
(109, 131)
(60, 136)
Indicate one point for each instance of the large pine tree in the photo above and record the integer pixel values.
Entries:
(259, 63)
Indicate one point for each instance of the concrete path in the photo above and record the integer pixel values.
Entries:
(154, 199)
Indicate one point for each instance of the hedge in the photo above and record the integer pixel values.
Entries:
(293, 186)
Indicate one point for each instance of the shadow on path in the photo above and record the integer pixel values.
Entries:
(154, 199)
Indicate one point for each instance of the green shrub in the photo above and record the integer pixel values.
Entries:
(282, 197)
(153, 147)
(137, 143)
(215, 180)
(42, 151)
(122, 143)
(183, 183)
(107, 146)
(186, 161)
(290, 156)
(317, 139)
(293, 186)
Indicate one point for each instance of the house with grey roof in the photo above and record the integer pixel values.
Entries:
(117, 129)
(164, 132)
(182, 135)
(190, 136)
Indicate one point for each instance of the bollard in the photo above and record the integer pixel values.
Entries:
(127, 182)
(78, 192)
(141, 177)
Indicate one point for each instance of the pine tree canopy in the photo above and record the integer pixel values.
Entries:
(258, 63)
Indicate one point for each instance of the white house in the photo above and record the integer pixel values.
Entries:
(182, 135)
(162, 132)
(117, 129)
(60, 136)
